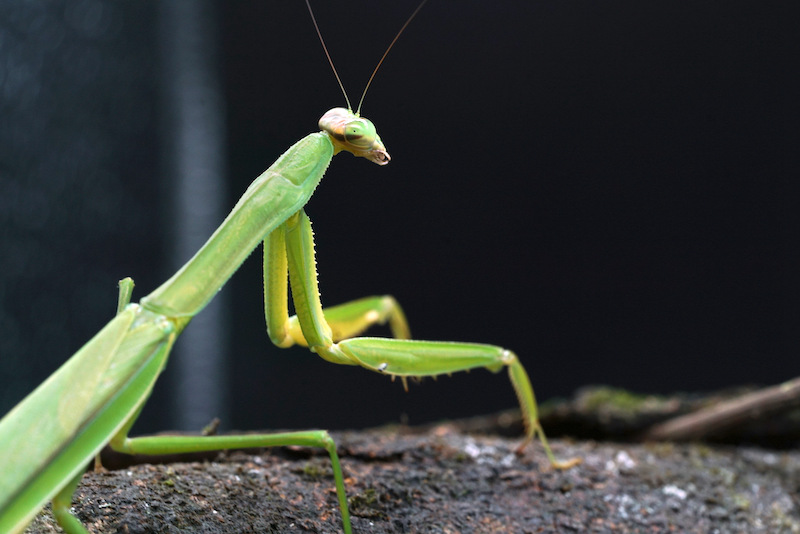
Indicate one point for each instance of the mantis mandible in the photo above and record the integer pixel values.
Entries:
(49, 437)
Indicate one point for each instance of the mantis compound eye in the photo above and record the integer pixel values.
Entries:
(358, 134)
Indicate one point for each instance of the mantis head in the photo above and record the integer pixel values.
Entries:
(350, 131)
(355, 134)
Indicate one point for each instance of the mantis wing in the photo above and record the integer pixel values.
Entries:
(49, 437)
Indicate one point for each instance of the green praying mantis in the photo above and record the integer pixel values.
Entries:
(47, 440)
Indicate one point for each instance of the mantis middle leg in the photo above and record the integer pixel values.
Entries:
(289, 261)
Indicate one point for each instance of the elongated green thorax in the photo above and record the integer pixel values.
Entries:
(270, 200)
(357, 135)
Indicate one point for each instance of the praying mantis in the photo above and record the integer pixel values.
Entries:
(50, 436)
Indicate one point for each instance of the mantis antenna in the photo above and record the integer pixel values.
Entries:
(327, 54)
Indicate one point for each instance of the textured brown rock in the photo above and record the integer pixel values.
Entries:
(443, 481)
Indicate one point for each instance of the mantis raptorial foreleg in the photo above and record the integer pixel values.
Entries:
(344, 320)
(290, 249)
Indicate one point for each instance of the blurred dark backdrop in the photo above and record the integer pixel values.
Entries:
(608, 189)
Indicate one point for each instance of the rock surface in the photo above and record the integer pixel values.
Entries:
(441, 480)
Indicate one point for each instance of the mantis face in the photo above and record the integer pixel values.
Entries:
(355, 134)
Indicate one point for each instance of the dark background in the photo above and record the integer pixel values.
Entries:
(607, 188)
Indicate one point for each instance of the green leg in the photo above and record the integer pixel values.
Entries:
(344, 321)
(125, 292)
(394, 357)
(404, 358)
(181, 444)
(124, 298)
(61, 505)
(354, 317)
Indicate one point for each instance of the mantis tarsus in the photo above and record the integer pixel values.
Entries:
(48, 439)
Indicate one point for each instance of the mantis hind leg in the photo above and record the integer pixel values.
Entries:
(61, 505)
(124, 298)
(156, 445)
(125, 292)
